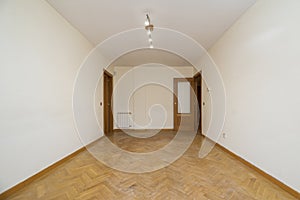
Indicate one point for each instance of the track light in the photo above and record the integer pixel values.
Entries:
(147, 22)
(149, 28)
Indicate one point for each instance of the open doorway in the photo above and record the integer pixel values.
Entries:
(198, 92)
(184, 112)
(107, 102)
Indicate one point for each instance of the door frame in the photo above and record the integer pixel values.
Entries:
(199, 99)
(107, 121)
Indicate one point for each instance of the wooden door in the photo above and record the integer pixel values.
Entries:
(198, 91)
(184, 102)
(107, 103)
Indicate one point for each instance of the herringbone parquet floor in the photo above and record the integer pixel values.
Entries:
(218, 176)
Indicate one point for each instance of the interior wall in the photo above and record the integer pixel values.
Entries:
(259, 61)
(141, 101)
(40, 56)
(205, 107)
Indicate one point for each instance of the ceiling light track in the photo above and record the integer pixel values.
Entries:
(149, 28)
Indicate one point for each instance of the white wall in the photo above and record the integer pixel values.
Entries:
(145, 97)
(39, 59)
(259, 61)
(205, 108)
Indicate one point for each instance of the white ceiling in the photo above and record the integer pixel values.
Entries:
(139, 57)
(203, 20)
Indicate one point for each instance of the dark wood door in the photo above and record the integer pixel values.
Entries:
(184, 102)
(198, 91)
(107, 103)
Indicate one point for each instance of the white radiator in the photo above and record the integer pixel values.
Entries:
(124, 120)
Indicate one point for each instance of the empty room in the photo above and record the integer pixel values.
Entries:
(170, 99)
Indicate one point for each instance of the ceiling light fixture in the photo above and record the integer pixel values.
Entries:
(149, 28)
(147, 22)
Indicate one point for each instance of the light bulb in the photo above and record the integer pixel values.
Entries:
(151, 46)
(147, 23)
(150, 39)
(149, 32)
